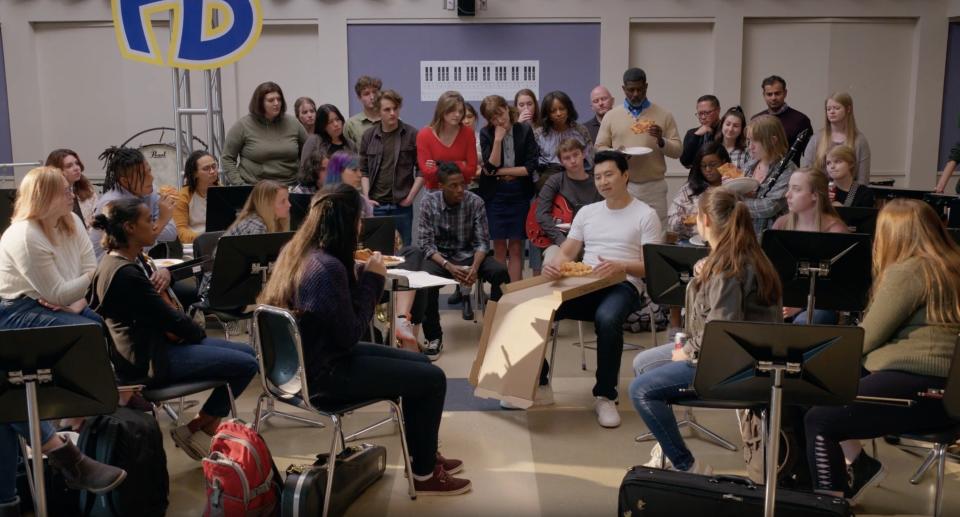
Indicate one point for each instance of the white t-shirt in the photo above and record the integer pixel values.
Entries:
(198, 213)
(616, 234)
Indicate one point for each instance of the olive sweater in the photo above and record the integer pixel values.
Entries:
(257, 150)
(896, 333)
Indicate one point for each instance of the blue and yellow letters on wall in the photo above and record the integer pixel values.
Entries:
(194, 42)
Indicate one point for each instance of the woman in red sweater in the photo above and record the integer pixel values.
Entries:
(447, 139)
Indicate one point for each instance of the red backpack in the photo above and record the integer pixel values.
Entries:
(240, 475)
(560, 212)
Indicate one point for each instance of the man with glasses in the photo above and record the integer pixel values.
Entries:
(708, 115)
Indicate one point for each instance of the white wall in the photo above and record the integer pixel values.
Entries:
(68, 85)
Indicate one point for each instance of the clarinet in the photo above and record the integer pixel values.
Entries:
(798, 146)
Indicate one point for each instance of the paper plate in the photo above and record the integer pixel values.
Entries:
(637, 151)
(697, 240)
(742, 185)
(167, 262)
(563, 226)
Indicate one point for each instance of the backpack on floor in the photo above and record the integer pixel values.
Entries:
(240, 474)
(131, 440)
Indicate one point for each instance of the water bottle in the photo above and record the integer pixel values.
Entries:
(679, 340)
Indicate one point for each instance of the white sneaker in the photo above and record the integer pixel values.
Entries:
(607, 414)
(403, 329)
(656, 456)
(700, 468)
(543, 397)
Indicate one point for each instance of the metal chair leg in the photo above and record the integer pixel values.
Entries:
(553, 352)
(233, 402)
(405, 450)
(583, 349)
(257, 419)
(272, 412)
(331, 464)
(353, 436)
(941, 450)
(692, 423)
(924, 467)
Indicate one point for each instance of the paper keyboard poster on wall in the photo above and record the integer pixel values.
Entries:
(478, 79)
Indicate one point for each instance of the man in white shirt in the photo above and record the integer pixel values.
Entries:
(611, 234)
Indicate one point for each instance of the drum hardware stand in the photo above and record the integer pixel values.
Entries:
(183, 111)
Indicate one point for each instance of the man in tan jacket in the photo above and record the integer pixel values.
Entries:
(641, 123)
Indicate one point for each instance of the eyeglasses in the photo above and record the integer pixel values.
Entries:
(710, 165)
(68, 191)
(701, 114)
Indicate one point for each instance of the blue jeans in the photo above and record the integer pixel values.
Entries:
(214, 358)
(403, 216)
(820, 317)
(25, 312)
(608, 308)
(651, 392)
(21, 313)
(10, 452)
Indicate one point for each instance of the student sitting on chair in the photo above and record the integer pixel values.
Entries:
(841, 165)
(190, 208)
(317, 277)
(910, 333)
(734, 282)
(454, 243)
(46, 263)
(46, 260)
(611, 234)
(267, 210)
(575, 186)
(810, 210)
(153, 341)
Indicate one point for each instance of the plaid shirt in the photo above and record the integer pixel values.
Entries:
(455, 232)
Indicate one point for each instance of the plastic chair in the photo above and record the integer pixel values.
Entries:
(284, 378)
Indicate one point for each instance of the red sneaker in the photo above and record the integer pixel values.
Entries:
(451, 466)
(441, 483)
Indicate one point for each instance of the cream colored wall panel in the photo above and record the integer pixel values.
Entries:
(881, 99)
(678, 60)
(91, 97)
(797, 51)
(286, 54)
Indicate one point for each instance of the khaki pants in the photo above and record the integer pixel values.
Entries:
(653, 193)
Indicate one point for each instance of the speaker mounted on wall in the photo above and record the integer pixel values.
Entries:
(466, 7)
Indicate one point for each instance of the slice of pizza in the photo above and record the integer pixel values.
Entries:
(729, 171)
(575, 269)
(642, 125)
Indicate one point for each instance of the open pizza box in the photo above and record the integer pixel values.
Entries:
(515, 331)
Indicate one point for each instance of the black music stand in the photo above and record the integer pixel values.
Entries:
(953, 216)
(60, 372)
(299, 208)
(8, 197)
(223, 205)
(241, 267)
(829, 271)
(940, 202)
(859, 219)
(669, 269)
(955, 233)
(888, 193)
(378, 234)
(778, 364)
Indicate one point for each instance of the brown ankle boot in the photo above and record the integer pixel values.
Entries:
(80, 472)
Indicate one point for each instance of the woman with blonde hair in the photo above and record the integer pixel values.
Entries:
(46, 258)
(841, 165)
(735, 282)
(810, 210)
(447, 139)
(267, 210)
(85, 196)
(839, 128)
(910, 333)
(767, 146)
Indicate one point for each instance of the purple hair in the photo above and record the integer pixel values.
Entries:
(340, 161)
